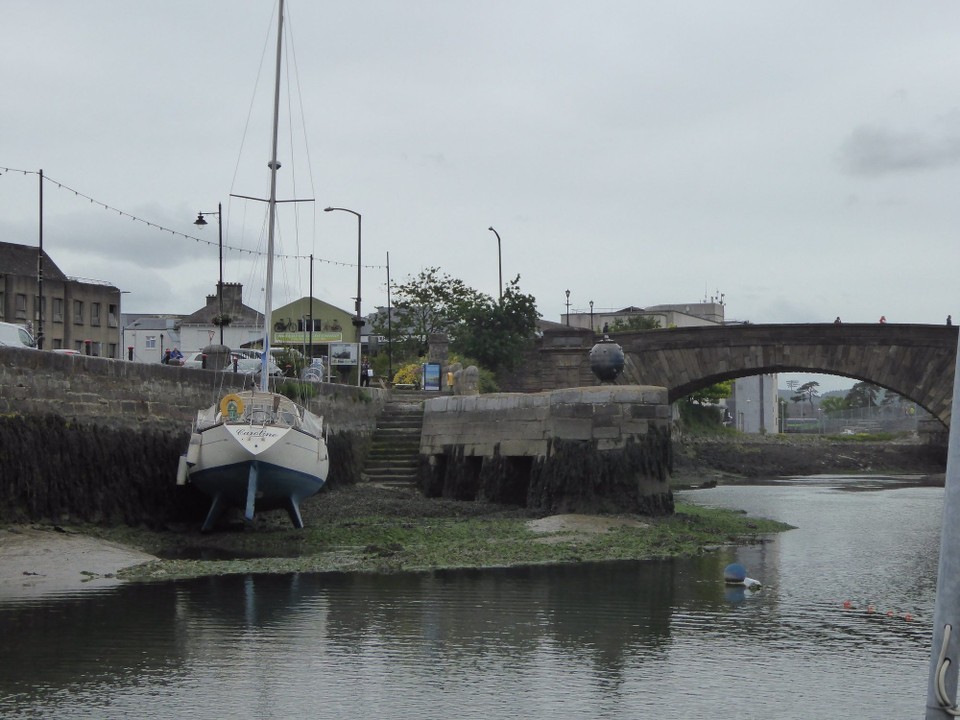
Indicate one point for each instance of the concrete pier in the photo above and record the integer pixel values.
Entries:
(585, 449)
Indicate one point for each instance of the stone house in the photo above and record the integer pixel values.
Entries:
(62, 312)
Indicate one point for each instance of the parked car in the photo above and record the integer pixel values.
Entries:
(66, 351)
(251, 366)
(16, 336)
(192, 360)
(244, 353)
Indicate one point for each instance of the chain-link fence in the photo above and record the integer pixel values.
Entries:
(896, 417)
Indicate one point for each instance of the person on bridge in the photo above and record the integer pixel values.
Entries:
(883, 319)
(949, 320)
(837, 321)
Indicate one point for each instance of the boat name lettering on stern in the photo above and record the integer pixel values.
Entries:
(258, 433)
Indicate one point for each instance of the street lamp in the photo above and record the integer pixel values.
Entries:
(201, 222)
(568, 308)
(591, 316)
(499, 263)
(358, 320)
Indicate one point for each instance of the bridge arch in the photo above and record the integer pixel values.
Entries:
(914, 361)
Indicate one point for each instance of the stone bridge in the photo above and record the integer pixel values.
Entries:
(914, 361)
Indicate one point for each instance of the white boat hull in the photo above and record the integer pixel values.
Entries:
(256, 467)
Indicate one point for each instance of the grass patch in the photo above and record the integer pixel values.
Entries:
(375, 543)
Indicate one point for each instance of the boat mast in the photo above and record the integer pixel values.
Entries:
(274, 166)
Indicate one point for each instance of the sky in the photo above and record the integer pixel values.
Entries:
(801, 159)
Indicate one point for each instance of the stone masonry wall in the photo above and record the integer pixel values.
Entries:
(99, 440)
(575, 450)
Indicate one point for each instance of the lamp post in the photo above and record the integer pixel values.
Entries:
(591, 316)
(358, 320)
(201, 222)
(499, 263)
(389, 326)
(568, 308)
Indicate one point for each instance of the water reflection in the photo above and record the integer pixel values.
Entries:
(618, 640)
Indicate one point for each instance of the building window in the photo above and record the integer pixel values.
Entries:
(113, 316)
(78, 346)
(95, 314)
(20, 311)
(3, 304)
(38, 304)
(113, 351)
(78, 312)
(151, 343)
(58, 310)
(57, 344)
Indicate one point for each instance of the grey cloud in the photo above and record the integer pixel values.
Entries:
(873, 150)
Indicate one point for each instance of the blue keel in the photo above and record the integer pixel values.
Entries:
(216, 507)
(251, 491)
(293, 510)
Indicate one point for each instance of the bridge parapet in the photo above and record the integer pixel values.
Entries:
(914, 361)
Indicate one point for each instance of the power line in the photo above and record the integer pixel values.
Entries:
(177, 233)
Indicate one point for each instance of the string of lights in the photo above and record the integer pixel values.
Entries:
(177, 233)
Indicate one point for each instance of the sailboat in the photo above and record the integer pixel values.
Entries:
(257, 449)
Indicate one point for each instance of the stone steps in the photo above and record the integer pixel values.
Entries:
(394, 457)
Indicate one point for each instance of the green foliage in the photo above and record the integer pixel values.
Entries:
(291, 362)
(863, 394)
(384, 543)
(808, 391)
(833, 404)
(712, 395)
(636, 322)
(496, 333)
(297, 391)
(871, 437)
(429, 303)
(493, 332)
(701, 419)
(409, 374)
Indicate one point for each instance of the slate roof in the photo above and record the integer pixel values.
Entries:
(22, 260)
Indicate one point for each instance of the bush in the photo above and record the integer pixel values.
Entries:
(702, 419)
(408, 374)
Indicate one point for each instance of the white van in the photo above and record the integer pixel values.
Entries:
(15, 336)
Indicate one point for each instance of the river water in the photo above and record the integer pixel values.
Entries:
(621, 640)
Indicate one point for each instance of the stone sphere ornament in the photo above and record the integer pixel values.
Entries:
(606, 360)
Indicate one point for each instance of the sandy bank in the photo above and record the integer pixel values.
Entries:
(43, 560)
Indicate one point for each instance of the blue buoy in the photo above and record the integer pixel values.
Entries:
(734, 573)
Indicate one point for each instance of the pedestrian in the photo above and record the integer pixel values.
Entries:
(166, 357)
(837, 321)
(606, 328)
(949, 320)
(365, 372)
(883, 319)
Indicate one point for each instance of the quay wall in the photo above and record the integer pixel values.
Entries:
(586, 449)
(96, 439)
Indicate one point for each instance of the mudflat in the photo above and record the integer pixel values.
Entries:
(46, 560)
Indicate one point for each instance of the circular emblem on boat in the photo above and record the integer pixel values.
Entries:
(231, 406)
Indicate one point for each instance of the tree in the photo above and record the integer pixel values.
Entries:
(495, 333)
(713, 394)
(635, 322)
(833, 403)
(863, 394)
(808, 391)
(429, 303)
